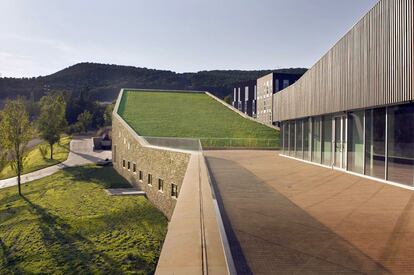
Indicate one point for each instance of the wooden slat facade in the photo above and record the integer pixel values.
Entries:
(372, 65)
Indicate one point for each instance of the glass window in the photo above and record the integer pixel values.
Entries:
(285, 83)
(174, 190)
(149, 179)
(375, 143)
(160, 185)
(140, 175)
(316, 139)
(356, 142)
(400, 144)
(299, 152)
(114, 153)
(292, 139)
(306, 139)
(327, 140)
(134, 167)
(285, 138)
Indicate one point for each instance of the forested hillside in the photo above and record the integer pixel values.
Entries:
(105, 81)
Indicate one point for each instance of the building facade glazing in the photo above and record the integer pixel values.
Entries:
(376, 142)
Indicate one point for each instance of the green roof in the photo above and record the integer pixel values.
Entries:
(186, 114)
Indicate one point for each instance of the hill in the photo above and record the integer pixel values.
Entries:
(106, 80)
(192, 115)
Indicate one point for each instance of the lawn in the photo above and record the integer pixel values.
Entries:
(192, 115)
(67, 224)
(36, 160)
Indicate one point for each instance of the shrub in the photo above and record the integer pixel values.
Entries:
(44, 150)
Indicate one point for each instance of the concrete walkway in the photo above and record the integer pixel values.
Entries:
(286, 217)
(81, 153)
(125, 192)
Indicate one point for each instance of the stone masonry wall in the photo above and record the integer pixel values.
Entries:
(167, 165)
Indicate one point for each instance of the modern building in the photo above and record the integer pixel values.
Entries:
(267, 86)
(353, 110)
(244, 97)
(174, 176)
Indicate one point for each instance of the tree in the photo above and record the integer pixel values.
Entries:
(108, 114)
(32, 107)
(15, 133)
(52, 121)
(85, 120)
(227, 99)
(77, 103)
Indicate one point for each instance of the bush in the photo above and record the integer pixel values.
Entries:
(44, 150)
(74, 129)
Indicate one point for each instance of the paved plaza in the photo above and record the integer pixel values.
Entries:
(286, 216)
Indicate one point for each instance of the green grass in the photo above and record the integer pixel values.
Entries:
(169, 114)
(67, 224)
(36, 161)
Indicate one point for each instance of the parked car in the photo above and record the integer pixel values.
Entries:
(105, 162)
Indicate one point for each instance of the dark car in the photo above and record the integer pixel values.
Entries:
(105, 162)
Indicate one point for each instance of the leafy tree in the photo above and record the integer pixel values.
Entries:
(227, 99)
(52, 121)
(15, 133)
(108, 114)
(78, 103)
(98, 113)
(32, 107)
(85, 121)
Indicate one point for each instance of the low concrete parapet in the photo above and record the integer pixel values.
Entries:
(194, 241)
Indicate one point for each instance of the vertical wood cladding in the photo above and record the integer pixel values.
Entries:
(371, 65)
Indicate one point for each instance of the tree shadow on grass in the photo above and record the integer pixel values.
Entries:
(63, 243)
(104, 176)
(7, 261)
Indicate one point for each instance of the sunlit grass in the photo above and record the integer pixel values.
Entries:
(66, 223)
(36, 160)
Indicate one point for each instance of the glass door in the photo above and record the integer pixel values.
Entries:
(339, 125)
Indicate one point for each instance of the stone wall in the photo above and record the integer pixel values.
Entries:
(168, 165)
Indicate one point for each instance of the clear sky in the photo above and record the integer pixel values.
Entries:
(39, 37)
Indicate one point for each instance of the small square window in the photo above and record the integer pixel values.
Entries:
(140, 176)
(129, 165)
(123, 163)
(160, 185)
(174, 190)
(114, 149)
(134, 167)
(149, 179)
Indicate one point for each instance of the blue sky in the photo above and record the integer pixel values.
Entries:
(39, 37)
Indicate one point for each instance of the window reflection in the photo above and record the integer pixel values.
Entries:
(327, 140)
(299, 153)
(400, 144)
(292, 139)
(306, 139)
(375, 143)
(316, 139)
(356, 141)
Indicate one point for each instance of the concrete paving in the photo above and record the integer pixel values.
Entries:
(287, 217)
(81, 153)
(125, 192)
